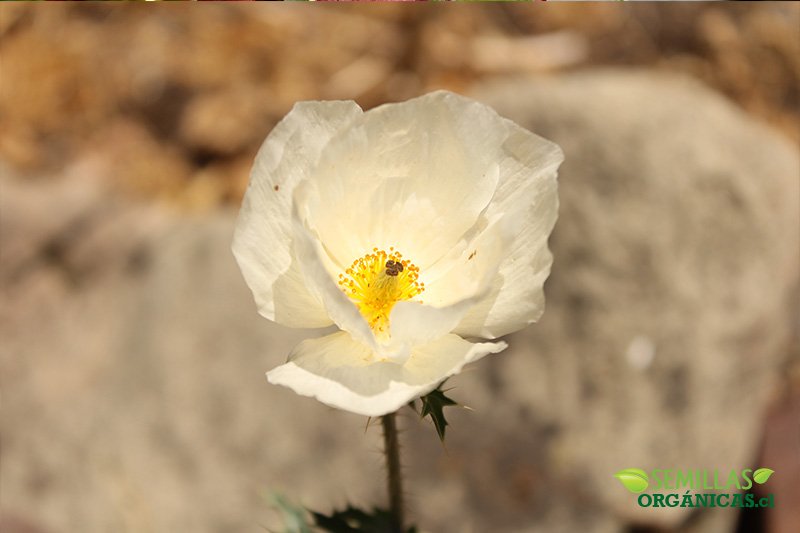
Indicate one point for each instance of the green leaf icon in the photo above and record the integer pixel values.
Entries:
(634, 479)
(761, 475)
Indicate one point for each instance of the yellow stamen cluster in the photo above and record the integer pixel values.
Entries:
(377, 281)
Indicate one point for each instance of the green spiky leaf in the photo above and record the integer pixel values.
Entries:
(761, 475)
(433, 405)
(634, 479)
(352, 520)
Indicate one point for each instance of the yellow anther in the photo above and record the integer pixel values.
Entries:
(377, 281)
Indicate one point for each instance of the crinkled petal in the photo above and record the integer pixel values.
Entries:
(527, 191)
(262, 241)
(414, 175)
(341, 372)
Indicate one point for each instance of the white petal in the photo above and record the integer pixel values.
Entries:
(340, 372)
(528, 191)
(414, 175)
(456, 286)
(262, 241)
(318, 271)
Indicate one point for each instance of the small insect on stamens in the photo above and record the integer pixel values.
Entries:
(393, 268)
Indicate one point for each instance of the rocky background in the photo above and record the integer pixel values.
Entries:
(131, 356)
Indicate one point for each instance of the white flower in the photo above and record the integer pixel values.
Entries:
(412, 227)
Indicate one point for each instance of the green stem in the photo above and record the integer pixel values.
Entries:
(391, 447)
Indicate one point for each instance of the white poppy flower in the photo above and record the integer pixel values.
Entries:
(411, 227)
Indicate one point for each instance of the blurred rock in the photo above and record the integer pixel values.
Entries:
(670, 304)
(12, 524)
(134, 396)
(135, 400)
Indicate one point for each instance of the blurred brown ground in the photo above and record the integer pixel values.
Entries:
(175, 101)
(168, 105)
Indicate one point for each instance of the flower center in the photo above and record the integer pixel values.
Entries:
(376, 282)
